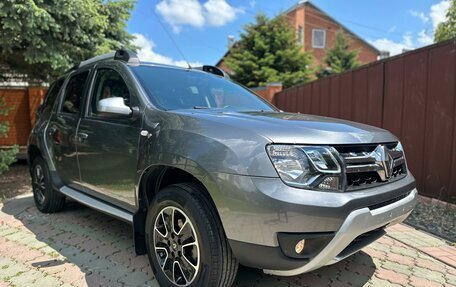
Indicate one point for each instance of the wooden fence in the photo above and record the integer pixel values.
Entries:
(413, 95)
(23, 103)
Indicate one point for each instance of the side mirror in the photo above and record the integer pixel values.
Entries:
(113, 106)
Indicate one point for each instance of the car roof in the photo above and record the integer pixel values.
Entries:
(131, 58)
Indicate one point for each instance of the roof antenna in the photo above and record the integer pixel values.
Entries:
(172, 39)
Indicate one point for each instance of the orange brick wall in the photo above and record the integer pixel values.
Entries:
(223, 66)
(314, 19)
(21, 117)
(35, 99)
(310, 18)
(269, 91)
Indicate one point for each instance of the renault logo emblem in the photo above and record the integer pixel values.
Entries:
(384, 159)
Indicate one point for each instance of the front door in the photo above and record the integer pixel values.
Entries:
(107, 146)
(61, 132)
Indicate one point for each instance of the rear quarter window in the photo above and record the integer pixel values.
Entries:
(52, 94)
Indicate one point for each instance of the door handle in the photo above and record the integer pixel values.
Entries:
(54, 134)
(52, 130)
(82, 137)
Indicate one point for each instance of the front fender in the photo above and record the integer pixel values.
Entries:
(217, 148)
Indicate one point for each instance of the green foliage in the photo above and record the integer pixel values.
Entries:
(268, 52)
(339, 58)
(447, 29)
(43, 38)
(7, 156)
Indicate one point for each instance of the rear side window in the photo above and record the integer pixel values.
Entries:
(52, 94)
(73, 93)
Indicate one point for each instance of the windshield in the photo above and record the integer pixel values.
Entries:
(173, 89)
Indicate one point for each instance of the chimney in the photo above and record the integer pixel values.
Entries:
(384, 55)
(231, 41)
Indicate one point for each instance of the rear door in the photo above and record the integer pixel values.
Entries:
(61, 132)
(108, 146)
(46, 109)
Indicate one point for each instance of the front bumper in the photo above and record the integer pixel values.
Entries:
(358, 222)
(255, 210)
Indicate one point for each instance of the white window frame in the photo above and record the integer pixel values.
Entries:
(300, 35)
(313, 38)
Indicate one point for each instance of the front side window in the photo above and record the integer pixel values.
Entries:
(173, 89)
(108, 84)
(318, 38)
(74, 92)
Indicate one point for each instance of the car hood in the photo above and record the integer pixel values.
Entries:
(280, 127)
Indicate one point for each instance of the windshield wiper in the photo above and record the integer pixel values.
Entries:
(201, 107)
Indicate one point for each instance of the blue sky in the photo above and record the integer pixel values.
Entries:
(201, 27)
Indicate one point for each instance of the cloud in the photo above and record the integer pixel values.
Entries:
(424, 38)
(146, 53)
(438, 12)
(392, 29)
(179, 13)
(394, 48)
(423, 17)
(435, 16)
(218, 12)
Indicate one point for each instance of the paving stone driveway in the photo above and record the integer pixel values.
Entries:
(82, 247)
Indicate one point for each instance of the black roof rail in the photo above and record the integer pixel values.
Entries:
(213, 70)
(127, 56)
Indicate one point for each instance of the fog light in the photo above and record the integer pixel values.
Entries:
(330, 182)
(300, 246)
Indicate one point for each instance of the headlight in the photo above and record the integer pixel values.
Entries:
(310, 167)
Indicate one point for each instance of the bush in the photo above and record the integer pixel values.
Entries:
(7, 156)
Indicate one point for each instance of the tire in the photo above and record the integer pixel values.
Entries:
(209, 262)
(47, 200)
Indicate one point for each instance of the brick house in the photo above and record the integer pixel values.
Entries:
(316, 31)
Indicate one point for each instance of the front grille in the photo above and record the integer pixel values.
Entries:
(368, 165)
(399, 171)
(360, 179)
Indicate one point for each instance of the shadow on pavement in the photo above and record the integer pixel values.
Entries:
(102, 248)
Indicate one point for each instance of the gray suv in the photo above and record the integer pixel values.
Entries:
(209, 174)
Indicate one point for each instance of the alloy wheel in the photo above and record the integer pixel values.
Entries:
(39, 184)
(176, 246)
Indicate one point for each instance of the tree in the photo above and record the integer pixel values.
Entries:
(43, 38)
(339, 58)
(7, 156)
(268, 52)
(447, 29)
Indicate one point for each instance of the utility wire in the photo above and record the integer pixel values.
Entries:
(372, 27)
(198, 44)
(320, 27)
(270, 11)
(172, 39)
(329, 22)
